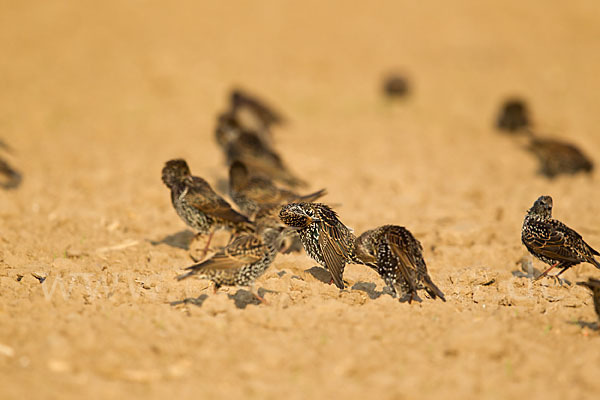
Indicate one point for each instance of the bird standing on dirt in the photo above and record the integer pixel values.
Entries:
(557, 157)
(251, 193)
(594, 286)
(552, 241)
(396, 255)
(324, 237)
(198, 205)
(242, 261)
(513, 116)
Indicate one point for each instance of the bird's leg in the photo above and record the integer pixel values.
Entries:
(543, 274)
(258, 296)
(557, 276)
(204, 251)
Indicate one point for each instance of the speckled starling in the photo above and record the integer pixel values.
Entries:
(252, 149)
(198, 205)
(251, 193)
(594, 285)
(324, 237)
(396, 255)
(513, 116)
(557, 157)
(552, 241)
(242, 261)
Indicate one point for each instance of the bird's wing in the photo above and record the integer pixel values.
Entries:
(243, 250)
(407, 266)
(336, 251)
(550, 241)
(201, 196)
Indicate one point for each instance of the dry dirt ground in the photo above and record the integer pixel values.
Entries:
(96, 96)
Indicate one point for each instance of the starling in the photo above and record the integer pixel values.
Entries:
(396, 255)
(552, 241)
(250, 193)
(264, 116)
(395, 86)
(198, 205)
(594, 286)
(250, 148)
(9, 178)
(557, 157)
(324, 237)
(513, 116)
(242, 261)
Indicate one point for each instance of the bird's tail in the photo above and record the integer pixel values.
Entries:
(309, 198)
(192, 271)
(595, 262)
(432, 289)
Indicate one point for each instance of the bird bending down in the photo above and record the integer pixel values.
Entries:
(324, 237)
(553, 242)
(396, 255)
(242, 261)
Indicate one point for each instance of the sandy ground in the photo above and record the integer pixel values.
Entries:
(96, 96)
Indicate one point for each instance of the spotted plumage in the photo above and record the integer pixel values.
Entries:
(553, 242)
(242, 261)
(324, 237)
(557, 157)
(594, 285)
(196, 202)
(513, 116)
(396, 255)
(251, 193)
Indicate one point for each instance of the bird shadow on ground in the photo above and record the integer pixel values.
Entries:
(242, 298)
(369, 289)
(535, 273)
(197, 301)
(595, 326)
(180, 240)
(320, 274)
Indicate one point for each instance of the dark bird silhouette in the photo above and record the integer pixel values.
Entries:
(513, 116)
(552, 241)
(251, 193)
(242, 261)
(594, 285)
(324, 237)
(395, 86)
(263, 115)
(396, 255)
(253, 150)
(557, 157)
(198, 205)
(9, 177)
